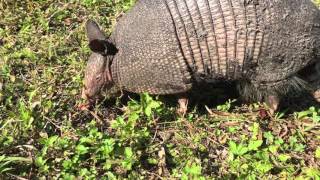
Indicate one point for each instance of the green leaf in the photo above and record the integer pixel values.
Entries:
(148, 111)
(152, 161)
(192, 169)
(269, 136)
(184, 177)
(119, 122)
(51, 140)
(283, 157)
(299, 147)
(128, 152)
(81, 149)
(111, 176)
(133, 117)
(107, 165)
(39, 162)
(273, 149)
(262, 155)
(253, 145)
(19, 159)
(278, 141)
(155, 104)
(2, 158)
(237, 149)
(232, 147)
(242, 150)
(3, 164)
(255, 129)
(134, 106)
(84, 172)
(108, 146)
(67, 164)
(313, 173)
(303, 114)
(127, 164)
(263, 167)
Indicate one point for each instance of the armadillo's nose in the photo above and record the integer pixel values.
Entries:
(85, 94)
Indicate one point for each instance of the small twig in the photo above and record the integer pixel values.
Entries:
(285, 132)
(229, 124)
(93, 114)
(50, 120)
(17, 177)
(154, 174)
(155, 135)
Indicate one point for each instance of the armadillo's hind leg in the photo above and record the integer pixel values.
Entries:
(316, 95)
(272, 102)
(183, 105)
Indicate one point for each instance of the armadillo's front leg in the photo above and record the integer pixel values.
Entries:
(273, 102)
(183, 105)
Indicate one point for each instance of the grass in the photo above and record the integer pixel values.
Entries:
(43, 49)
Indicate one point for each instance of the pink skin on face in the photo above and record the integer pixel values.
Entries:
(97, 78)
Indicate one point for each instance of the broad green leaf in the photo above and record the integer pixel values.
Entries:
(128, 152)
(283, 157)
(133, 117)
(40, 161)
(193, 170)
(233, 147)
(148, 111)
(51, 140)
(127, 164)
(81, 149)
(273, 149)
(263, 167)
(253, 145)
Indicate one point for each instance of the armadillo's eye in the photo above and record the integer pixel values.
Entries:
(98, 77)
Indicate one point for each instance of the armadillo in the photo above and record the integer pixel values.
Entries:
(168, 46)
(311, 74)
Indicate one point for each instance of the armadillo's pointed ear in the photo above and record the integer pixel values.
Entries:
(93, 31)
(96, 37)
(97, 40)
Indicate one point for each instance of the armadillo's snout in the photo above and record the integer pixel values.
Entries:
(87, 95)
(84, 94)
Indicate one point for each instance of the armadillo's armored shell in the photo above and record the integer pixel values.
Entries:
(149, 57)
(164, 45)
(228, 38)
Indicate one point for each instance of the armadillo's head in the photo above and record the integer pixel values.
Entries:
(97, 75)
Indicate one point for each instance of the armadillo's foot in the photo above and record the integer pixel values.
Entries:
(273, 103)
(183, 106)
(83, 106)
(316, 95)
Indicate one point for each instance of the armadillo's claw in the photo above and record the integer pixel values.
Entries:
(183, 106)
(181, 111)
(273, 103)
